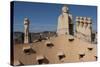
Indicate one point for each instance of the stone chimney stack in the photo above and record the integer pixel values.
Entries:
(64, 21)
(26, 30)
(84, 28)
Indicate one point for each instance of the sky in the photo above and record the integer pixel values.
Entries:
(44, 16)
